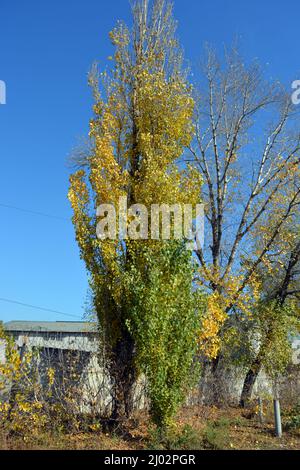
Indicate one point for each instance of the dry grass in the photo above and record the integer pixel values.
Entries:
(234, 429)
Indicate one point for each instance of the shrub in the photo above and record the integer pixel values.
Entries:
(216, 435)
(293, 418)
(186, 438)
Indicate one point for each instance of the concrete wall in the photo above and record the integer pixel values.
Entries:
(2, 352)
(55, 350)
(78, 354)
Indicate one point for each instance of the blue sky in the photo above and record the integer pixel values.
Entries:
(47, 49)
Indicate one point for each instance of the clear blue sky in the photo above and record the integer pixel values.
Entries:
(47, 48)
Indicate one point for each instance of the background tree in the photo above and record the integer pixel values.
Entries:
(247, 149)
(277, 317)
(142, 290)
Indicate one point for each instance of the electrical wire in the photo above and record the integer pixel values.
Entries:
(2, 299)
(29, 211)
(15, 302)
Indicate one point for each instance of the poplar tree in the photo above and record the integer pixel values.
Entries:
(142, 290)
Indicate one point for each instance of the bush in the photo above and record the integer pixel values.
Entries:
(35, 399)
(185, 439)
(293, 418)
(216, 435)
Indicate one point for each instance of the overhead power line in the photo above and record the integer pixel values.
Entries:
(29, 211)
(2, 299)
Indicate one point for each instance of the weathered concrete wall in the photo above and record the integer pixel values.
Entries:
(66, 341)
(2, 351)
(75, 354)
(226, 384)
(56, 349)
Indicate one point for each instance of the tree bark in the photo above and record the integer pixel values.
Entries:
(216, 385)
(250, 380)
(123, 374)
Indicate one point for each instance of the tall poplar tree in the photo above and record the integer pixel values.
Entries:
(142, 289)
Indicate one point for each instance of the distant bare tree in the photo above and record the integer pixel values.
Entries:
(247, 149)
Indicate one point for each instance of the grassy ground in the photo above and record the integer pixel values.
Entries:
(197, 428)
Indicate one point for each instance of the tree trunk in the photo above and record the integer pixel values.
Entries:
(250, 380)
(256, 367)
(15, 386)
(124, 376)
(216, 385)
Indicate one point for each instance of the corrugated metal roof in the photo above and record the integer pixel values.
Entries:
(54, 327)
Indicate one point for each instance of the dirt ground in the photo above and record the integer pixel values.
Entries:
(230, 428)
